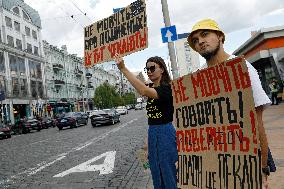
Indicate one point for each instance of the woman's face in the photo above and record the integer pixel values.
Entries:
(154, 71)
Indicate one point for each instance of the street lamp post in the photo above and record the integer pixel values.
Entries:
(170, 44)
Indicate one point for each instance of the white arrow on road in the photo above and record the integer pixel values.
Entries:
(169, 35)
(105, 168)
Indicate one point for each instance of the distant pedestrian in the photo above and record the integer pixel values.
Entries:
(274, 91)
(162, 147)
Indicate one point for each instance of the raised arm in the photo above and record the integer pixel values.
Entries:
(136, 83)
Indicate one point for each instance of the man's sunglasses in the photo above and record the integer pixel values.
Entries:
(150, 68)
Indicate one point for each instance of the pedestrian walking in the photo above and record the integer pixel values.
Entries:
(162, 147)
(207, 39)
(274, 91)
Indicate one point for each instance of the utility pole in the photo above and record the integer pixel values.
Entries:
(171, 48)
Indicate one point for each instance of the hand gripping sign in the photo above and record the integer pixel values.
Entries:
(124, 32)
(217, 136)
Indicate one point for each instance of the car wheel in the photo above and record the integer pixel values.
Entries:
(60, 128)
(9, 136)
(94, 124)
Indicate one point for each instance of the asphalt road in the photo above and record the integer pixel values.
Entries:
(83, 157)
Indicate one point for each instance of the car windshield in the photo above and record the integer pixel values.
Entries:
(120, 107)
(101, 112)
(69, 114)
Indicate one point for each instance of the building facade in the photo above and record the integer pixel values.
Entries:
(21, 61)
(187, 59)
(265, 51)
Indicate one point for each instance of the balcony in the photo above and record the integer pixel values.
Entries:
(57, 66)
(78, 72)
(58, 82)
(88, 75)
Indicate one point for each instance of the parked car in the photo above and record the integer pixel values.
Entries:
(28, 124)
(71, 119)
(106, 116)
(122, 110)
(5, 131)
(47, 122)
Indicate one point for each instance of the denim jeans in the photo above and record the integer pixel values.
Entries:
(162, 155)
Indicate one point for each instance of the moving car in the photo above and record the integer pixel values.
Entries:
(71, 119)
(5, 131)
(106, 116)
(138, 107)
(122, 110)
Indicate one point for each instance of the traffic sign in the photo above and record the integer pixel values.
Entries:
(169, 34)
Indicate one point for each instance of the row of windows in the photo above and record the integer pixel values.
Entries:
(19, 45)
(17, 66)
(17, 27)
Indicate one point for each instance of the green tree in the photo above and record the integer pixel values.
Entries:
(129, 98)
(106, 96)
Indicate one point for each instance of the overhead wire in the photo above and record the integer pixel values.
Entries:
(85, 14)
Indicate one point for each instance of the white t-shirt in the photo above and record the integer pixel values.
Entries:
(259, 95)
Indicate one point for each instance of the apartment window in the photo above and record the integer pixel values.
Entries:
(2, 62)
(17, 26)
(15, 86)
(23, 87)
(35, 69)
(35, 50)
(40, 89)
(19, 44)
(28, 31)
(8, 22)
(25, 15)
(13, 64)
(34, 35)
(10, 40)
(2, 83)
(21, 64)
(16, 10)
(33, 89)
(29, 48)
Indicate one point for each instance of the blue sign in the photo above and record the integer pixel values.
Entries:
(169, 34)
(115, 10)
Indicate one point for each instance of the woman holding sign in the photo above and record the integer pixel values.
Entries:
(162, 148)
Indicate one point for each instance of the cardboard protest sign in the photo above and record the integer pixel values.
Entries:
(216, 128)
(124, 32)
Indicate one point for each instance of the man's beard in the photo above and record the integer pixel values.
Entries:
(208, 55)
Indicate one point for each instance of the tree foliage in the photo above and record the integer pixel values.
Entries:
(129, 98)
(107, 97)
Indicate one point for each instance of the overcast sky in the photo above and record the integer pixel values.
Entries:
(236, 17)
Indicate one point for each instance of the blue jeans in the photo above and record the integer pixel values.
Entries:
(162, 155)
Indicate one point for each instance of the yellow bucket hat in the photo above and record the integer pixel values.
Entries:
(206, 24)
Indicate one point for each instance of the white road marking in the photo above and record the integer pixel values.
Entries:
(105, 168)
(42, 165)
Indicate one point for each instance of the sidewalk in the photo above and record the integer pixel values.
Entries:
(274, 125)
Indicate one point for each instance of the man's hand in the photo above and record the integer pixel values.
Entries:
(264, 181)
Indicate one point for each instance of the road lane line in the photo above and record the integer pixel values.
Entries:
(44, 164)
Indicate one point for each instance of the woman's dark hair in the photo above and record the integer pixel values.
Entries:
(165, 80)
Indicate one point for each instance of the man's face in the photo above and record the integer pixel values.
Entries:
(206, 43)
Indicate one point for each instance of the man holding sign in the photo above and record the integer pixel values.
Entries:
(207, 39)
